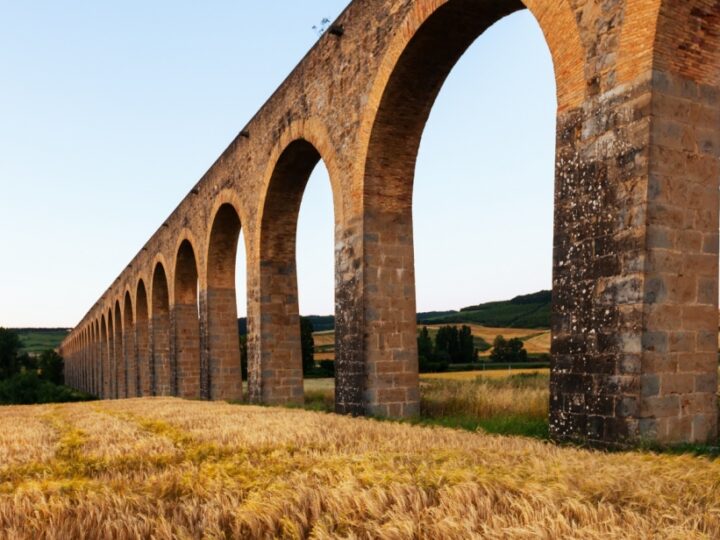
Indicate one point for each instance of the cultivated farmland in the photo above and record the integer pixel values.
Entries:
(537, 341)
(166, 468)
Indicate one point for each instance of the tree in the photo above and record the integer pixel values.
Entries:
(509, 351)
(466, 345)
(424, 345)
(10, 346)
(50, 365)
(441, 340)
(448, 346)
(307, 345)
(243, 357)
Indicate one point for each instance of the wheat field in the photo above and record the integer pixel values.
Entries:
(165, 468)
(537, 341)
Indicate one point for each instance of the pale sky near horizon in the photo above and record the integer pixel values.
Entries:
(111, 112)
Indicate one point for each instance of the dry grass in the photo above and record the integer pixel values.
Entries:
(165, 468)
(540, 344)
(515, 405)
(326, 337)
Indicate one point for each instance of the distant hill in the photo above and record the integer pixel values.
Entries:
(525, 311)
(37, 340)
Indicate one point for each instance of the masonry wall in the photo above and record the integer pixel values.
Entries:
(635, 246)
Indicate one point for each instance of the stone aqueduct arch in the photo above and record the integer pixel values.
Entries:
(635, 278)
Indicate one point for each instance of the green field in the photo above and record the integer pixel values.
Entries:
(527, 311)
(37, 340)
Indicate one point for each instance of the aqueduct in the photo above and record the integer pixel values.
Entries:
(635, 262)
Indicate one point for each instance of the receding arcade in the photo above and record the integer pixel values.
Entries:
(635, 275)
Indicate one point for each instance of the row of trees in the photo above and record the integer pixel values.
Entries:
(27, 379)
(48, 365)
(508, 350)
(453, 345)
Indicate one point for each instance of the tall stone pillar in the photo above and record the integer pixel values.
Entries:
(222, 344)
(636, 265)
(143, 357)
(162, 380)
(130, 351)
(279, 376)
(185, 352)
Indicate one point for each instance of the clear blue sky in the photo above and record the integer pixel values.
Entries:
(110, 112)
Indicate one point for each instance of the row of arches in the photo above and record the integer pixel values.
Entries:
(147, 343)
(623, 229)
(191, 348)
(176, 332)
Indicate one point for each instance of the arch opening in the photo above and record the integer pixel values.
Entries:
(276, 373)
(144, 382)
(185, 324)
(93, 358)
(316, 276)
(120, 368)
(104, 345)
(160, 372)
(222, 370)
(111, 378)
(410, 94)
(129, 348)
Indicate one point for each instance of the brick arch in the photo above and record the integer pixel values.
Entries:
(185, 269)
(314, 132)
(128, 309)
(97, 356)
(85, 353)
(142, 337)
(421, 57)
(184, 236)
(120, 367)
(160, 262)
(275, 359)
(129, 347)
(104, 374)
(222, 375)
(87, 362)
(80, 358)
(556, 19)
(411, 75)
(185, 319)
(111, 378)
(680, 37)
(226, 202)
(161, 372)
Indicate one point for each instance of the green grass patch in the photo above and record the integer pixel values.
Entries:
(37, 340)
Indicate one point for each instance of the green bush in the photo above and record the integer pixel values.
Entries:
(508, 350)
(28, 387)
(307, 345)
(10, 346)
(327, 367)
